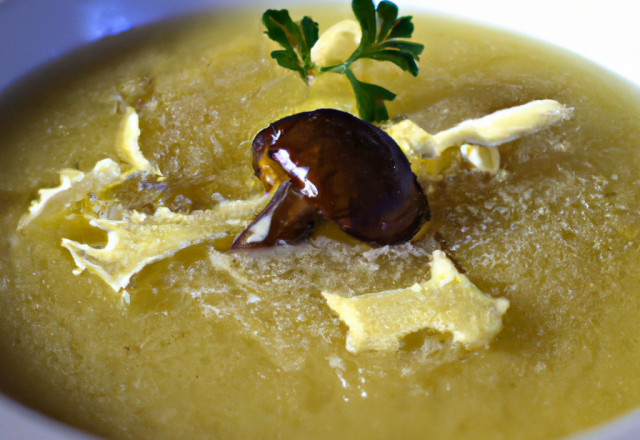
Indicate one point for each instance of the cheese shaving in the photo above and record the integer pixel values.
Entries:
(414, 142)
(141, 239)
(504, 125)
(448, 302)
(477, 138)
(485, 159)
(127, 146)
(337, 43)
(74, 185)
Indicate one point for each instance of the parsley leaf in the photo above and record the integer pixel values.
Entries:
(370, 99)
(382, 34)
(297, 39)
(385, 45)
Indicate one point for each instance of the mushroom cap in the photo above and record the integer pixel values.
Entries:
(349, 170)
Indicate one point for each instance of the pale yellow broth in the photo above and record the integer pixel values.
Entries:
(199, 353)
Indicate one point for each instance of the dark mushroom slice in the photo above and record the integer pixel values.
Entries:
(348, 170)
(288, 218)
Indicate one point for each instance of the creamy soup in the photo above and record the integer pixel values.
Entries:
(212, 343)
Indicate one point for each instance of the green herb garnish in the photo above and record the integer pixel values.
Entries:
(296, 38)
(382, 39)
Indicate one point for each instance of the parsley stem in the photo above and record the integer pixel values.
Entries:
(338, 68)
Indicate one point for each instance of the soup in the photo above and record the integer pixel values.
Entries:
(242, 344)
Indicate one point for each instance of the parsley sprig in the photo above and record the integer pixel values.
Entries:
(297, 39)
(383, 39)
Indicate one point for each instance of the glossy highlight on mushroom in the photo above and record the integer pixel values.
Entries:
(330, 164)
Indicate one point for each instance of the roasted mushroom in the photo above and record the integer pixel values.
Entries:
(328, 163)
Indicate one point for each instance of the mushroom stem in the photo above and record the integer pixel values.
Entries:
(288, 218)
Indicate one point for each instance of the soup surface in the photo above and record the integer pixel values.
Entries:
(241, 344)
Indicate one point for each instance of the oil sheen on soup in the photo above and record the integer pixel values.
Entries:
(211, 343)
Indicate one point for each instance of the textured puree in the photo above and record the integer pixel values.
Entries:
(242, 344)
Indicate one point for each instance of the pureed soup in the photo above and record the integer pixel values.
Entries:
(211, 343)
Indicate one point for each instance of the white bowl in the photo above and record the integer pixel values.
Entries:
(34, 32)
